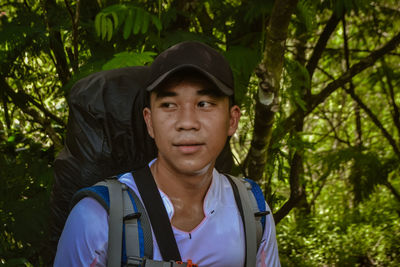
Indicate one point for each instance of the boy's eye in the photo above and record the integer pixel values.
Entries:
(204, 104)
(167, 105)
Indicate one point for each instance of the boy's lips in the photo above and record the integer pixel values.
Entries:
(188, 147)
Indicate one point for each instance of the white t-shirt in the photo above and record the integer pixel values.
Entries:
(218, 241)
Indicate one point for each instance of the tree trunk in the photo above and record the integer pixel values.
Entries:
(55, 41)
(269, 71)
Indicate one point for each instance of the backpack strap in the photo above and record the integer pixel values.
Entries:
(132, 231)
(251, 205)
(143, 245)
(258, 202)
(158, 215)
(99, 192)
(115, 223)
(246, 211)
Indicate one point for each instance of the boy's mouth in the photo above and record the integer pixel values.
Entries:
(189, 147)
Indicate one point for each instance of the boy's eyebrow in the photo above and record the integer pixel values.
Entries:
(161, 94)
(210, 92)
(202, 92)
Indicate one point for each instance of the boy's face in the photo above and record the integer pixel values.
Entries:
(190, 126)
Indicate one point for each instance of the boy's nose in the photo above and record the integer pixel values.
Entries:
(187, 119)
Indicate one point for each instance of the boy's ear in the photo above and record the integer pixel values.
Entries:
(148, 121)
(233, 119)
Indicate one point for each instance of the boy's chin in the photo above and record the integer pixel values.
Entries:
(194, 168)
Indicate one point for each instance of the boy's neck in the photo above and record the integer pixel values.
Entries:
(181, 185)
(186, 192)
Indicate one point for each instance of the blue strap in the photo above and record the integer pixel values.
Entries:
(98, 192)
(101, 194)
(259, 196)
(140, 231)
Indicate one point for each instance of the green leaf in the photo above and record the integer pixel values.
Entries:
(138, 21)
(121, 17)
(128, 59)
(299, 81)
(256, 9)
(128, 25)
(18, 262)
(156, 22)
(115, 18)
(242, 69)
(306, 12)
(11, 139)
(109, 29)
(145, 22)
(103, 27)
(97, 23)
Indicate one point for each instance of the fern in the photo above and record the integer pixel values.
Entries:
(347, 6)
(127, 59)
(367, 169)
(242, 69)
(132, 19)
(306, 11)
(298, 80)
(257, 9)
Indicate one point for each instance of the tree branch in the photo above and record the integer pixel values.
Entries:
(55, 41)
(20, 100)
(75, 24)
(376, 121)
(396, 113)
(297, 191)
(321, 44)
(352, 88)
(368, 61)
(6, 115)
(322, 180)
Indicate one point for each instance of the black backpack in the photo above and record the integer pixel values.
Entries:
(106, 135)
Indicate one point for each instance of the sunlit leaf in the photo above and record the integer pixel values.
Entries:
(97, 23)
(104, 27)
(128, 24)
(128, 59)
(138, 21)
(145, 23)
(156, 22)
(115, 18)
(109, 29)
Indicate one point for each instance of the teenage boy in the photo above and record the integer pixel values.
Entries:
(190, 116)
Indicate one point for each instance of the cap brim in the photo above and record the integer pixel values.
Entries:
(220, 85)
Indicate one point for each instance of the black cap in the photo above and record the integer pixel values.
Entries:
(194, 55)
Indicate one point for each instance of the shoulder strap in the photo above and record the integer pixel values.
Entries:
(138, 237)
(247, 206)
(99, 192)
(158, 215)
(260, 202)
(135, 231)
(115, 222)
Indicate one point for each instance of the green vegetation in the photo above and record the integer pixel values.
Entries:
(318, 83)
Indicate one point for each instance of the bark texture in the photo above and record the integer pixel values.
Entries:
(269, 71)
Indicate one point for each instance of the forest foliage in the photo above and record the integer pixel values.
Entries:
(318, 83)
